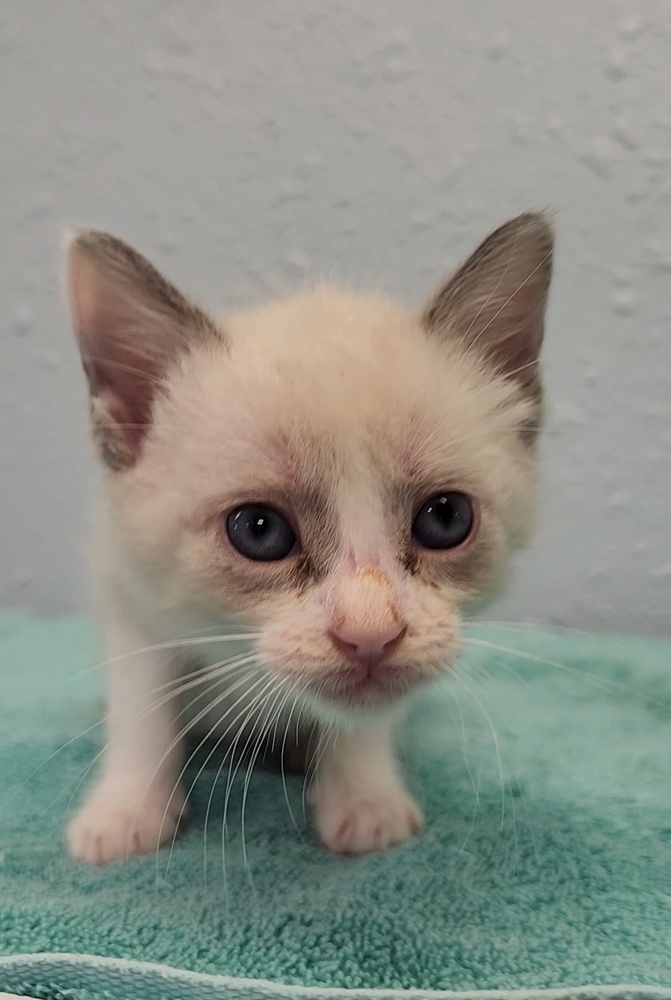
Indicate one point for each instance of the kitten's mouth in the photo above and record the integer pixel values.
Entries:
(367, 686)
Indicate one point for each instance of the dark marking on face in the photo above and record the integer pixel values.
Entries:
(306, 572)
(462, 567)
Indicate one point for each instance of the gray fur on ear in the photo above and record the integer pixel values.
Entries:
(495, 303)
(131, 324)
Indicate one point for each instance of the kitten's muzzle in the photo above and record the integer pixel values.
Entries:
(369, 677)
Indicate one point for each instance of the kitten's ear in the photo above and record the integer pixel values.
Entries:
(131, 325)
(495, 303)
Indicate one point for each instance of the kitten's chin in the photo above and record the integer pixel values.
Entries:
(360, 690)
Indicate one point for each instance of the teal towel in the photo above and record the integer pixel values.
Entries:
(544, 768)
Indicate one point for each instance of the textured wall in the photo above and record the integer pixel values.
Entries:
(250, 146)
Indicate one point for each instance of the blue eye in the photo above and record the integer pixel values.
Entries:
(444, 521)
(260, 533)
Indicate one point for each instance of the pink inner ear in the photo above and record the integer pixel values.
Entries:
(120, 340)
(131, 324)
(517, 351)
(127, 402)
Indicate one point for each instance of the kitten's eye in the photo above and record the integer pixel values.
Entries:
(444, 521)
(260, 533)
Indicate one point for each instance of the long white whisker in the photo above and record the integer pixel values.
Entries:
(239, 664)
(282, 752)
(273, 711)
(495, 736)
(205, 676)
(494, 733)
(521, 285)
(311, 773)
(229, 665)
(181, 643)
(256, 718)
(233, 722)
(252, 709)
(523, 626)
(600, 682)
(85, 732)
(476, 787)
(242, 682)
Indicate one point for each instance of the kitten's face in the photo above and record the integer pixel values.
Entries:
(341, 473)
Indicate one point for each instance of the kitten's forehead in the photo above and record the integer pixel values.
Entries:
(329, 387)
(342, 364)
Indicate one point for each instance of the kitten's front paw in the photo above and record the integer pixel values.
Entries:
(353, 820)
(116, 823)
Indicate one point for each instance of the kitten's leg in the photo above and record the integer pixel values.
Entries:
(135, 804)
(360, 802)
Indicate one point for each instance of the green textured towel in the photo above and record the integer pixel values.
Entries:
(550, 868)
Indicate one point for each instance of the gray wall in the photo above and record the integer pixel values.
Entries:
(248, 146)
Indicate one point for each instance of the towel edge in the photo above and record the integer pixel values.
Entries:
(130, 979)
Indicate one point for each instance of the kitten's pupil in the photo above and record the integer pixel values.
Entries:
(259, 526)
(443, 510)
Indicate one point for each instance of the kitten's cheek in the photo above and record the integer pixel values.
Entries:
(435, 633)
(448, 644)
(293, 652)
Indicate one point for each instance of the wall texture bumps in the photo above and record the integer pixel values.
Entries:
(248, 147)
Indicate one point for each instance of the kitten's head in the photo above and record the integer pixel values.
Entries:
(343, 474)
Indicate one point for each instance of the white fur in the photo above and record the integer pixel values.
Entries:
(348, 394)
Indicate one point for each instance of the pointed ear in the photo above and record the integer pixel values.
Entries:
(495, 303)
(131, 326)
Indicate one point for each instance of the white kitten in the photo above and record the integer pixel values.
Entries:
(337, 474)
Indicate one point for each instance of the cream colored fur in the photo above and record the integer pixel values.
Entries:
(350, 398)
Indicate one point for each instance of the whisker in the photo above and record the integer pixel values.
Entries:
(239, 664)
(311, 773)
(243, 681)
(495, 736)
(252, 709)
(494, 733)
(145, 712)
(521, 285)
(493, 292)
(488, 675)
(282, 752)
(476, 787)
(184, 642)
(524, 626)
(195, 678)
(462, 735)
(600, 682)
(234, 722)
(230, 665)
(36, 770)
(263, 729)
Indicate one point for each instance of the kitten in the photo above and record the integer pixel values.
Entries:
(340, 475)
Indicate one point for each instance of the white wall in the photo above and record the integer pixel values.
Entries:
(248, 146)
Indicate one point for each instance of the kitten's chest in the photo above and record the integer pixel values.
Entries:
(219, 679)
(232, 711)
(230, 707)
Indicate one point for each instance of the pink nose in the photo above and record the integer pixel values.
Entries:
(365, 646)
